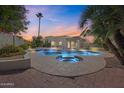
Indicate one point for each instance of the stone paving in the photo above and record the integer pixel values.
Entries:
(111, 76)
(49, 64)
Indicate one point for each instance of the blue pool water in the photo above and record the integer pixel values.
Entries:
(71, 59)
(54, 52)
(66, 55)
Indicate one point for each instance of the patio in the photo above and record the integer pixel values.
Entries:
(111, 76)
(49, 64)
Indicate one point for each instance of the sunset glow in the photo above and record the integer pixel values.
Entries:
(57, 21)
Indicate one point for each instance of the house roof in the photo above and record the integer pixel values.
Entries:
(65, 37)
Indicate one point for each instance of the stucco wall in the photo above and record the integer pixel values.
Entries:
(7, 39)
(79, 43)
(57, 40)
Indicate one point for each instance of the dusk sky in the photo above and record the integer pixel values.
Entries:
(57, 21)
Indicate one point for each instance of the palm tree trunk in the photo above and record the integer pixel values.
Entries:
(114, 50)
(39, 28)
(119, 39)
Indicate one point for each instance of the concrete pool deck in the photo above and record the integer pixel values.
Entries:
(112, 76)
(49, 65)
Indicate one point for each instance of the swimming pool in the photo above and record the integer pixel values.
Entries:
(66, 53)
(72, 56)
(69, 63)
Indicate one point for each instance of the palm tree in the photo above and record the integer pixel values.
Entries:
(108, 23)
(39, 15)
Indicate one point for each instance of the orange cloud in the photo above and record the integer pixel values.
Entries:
(62, 30)
(56, 31)
(27, 37)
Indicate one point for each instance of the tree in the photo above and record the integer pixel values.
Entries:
(13, 19)
(39, 15)
(37, 42)
(108, 26)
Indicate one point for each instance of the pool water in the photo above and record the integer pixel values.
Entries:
(67, 55)
(71, 59)
(54, 52)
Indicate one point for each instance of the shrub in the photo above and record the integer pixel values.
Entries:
(37, 42)
(24, 46)
(11, 51)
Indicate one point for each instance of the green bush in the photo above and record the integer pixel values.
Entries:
(11, 51)
(24, 46)
(37, 42)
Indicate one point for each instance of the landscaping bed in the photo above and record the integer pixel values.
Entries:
(9, 51)
(13, 58)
